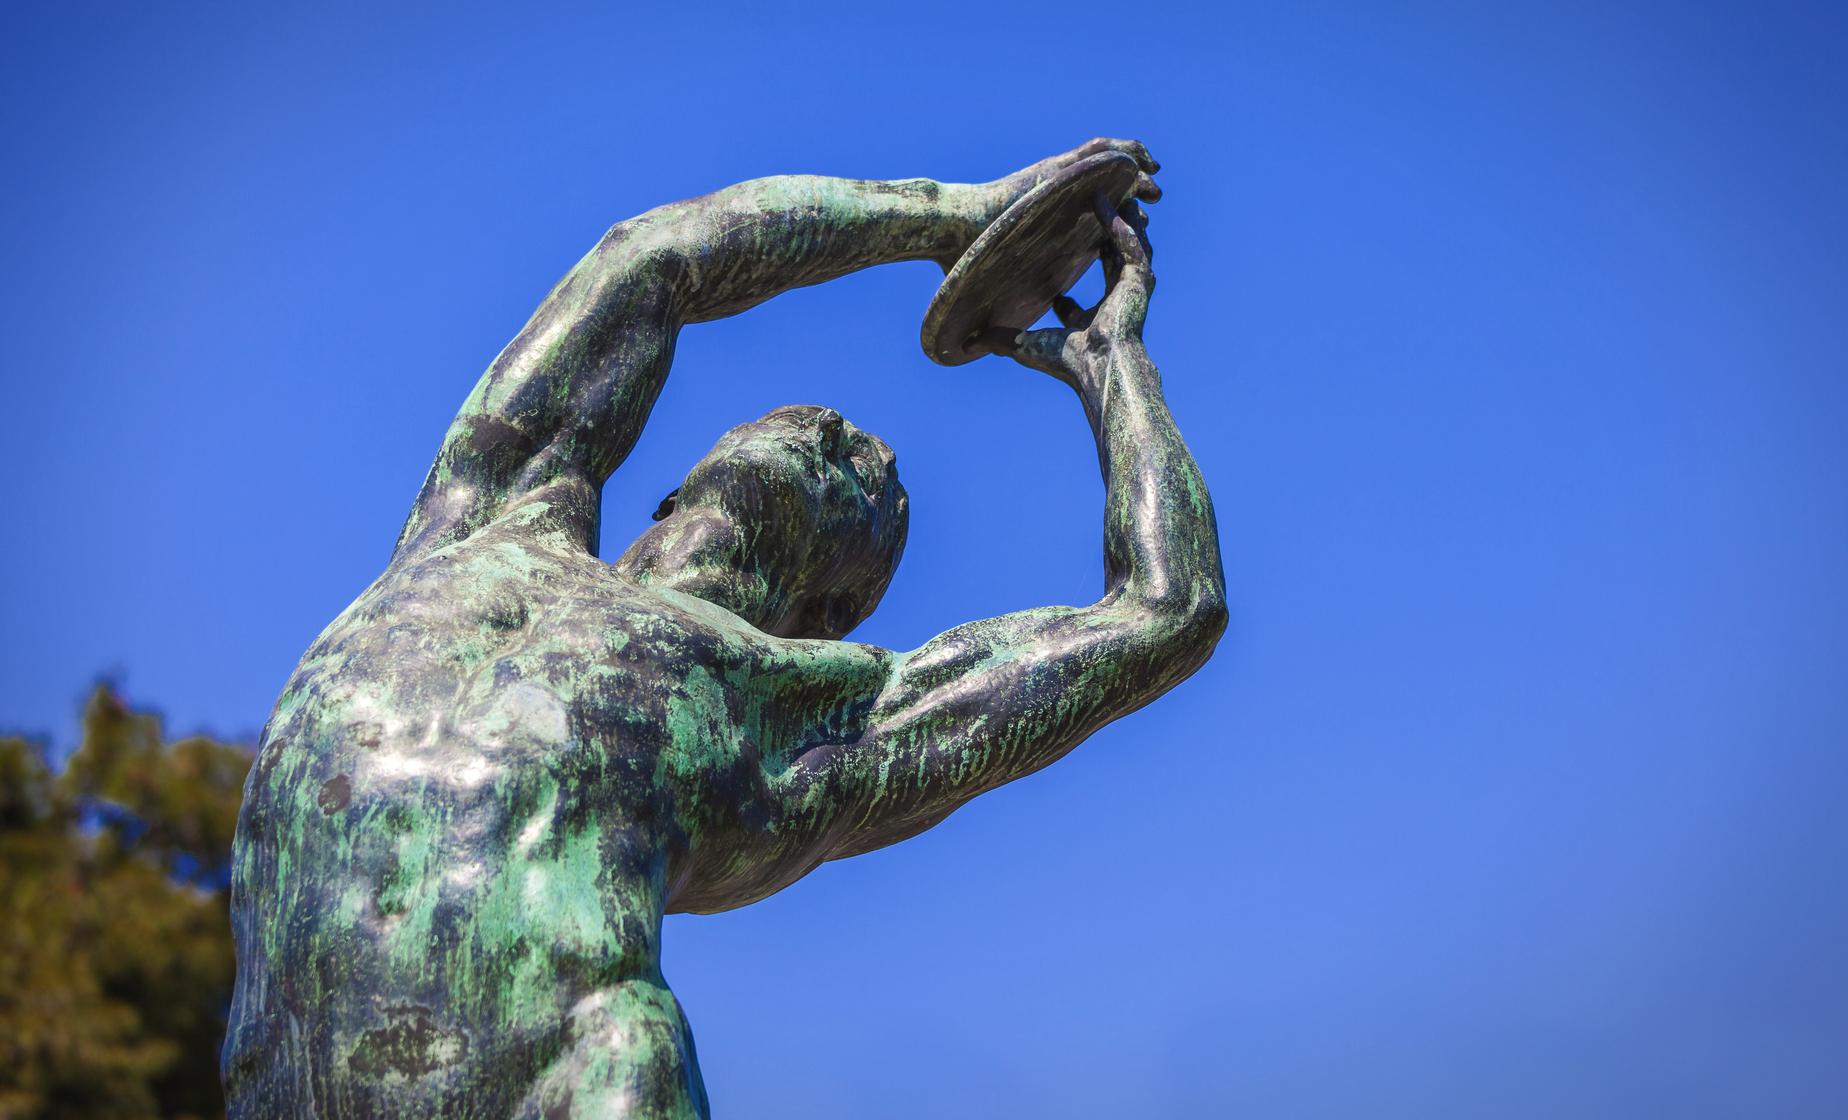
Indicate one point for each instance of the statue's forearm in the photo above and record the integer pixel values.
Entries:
(735, 248)
(742, 245)
(1161, 546)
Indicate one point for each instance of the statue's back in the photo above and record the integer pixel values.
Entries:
(448, 897)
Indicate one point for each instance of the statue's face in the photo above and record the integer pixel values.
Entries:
(820, 510)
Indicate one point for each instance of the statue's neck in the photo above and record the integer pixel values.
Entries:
(701, 553)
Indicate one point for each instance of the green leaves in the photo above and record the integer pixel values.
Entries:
(115, 943)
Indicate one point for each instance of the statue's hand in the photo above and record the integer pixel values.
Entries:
(1011, 187)
(1078, 350)
(966, 209)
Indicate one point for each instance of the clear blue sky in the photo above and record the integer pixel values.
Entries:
(1511, 341)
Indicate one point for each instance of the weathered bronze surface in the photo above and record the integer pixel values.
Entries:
(492, 775)
(1027, 257)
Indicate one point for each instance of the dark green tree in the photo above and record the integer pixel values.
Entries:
(115, 942)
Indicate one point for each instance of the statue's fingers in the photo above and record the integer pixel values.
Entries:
(1043, 350)
(1106, 214)
(1123, 242)
(995, 340)
(1071, 314)
(1125, 306)
(1108, 252)
(1138, 151)
(1135, 149)
(1138, 220)
(1136, 216)
(1129, 241)
(1147, 189)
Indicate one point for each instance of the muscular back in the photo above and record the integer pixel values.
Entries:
(482, 788)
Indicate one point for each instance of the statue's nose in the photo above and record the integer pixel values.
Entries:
(830, 427)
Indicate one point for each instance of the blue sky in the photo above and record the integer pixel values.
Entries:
(1509, 338)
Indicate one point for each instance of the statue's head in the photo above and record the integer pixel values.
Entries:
(795, 522)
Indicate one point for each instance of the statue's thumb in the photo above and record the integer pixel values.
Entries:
(1042, 349)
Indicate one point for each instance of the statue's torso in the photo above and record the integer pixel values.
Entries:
(483, 786)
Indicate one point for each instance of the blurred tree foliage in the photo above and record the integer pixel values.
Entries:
(115, 938)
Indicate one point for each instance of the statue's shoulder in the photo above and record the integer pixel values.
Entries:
(698, 635)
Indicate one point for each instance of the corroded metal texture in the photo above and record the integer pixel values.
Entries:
(1033, 253)
(492, 775)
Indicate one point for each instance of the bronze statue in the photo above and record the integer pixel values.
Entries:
(492, 775)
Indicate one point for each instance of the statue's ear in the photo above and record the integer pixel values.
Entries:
(667, 505)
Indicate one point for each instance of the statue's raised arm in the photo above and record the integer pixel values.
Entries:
(563, 404)
(990, 701)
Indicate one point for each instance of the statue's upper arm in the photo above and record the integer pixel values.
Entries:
(974, 708)
(566, 399)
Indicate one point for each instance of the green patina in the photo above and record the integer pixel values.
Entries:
(495, 772)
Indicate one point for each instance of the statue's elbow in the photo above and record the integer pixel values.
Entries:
(655, 250)
(1201, 625)
(1186, 623)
